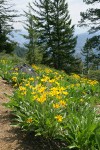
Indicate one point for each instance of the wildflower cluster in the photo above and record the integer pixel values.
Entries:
(54, 104)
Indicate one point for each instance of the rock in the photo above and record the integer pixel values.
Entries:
(24, 68)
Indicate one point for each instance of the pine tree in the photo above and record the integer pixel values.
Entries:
(56, 38)
(63, 40)
(33, 49)
(95, 44)
(6, 27)
(89, 54)
(91, 17)
(42, 14)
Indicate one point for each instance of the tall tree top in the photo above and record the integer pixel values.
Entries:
(90, 1)
(91, 17)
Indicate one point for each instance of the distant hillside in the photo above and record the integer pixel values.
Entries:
(80, 40)
(19, 38)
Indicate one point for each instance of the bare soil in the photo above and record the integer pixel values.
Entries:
(12, 138)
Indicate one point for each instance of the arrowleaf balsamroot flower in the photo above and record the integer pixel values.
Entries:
(14, 79)
(42, 98)
(62, 103)
(56, 105)
(29, 120)
(31, 79)
(59, 118)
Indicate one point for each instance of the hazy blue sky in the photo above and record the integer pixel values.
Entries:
(75, 7)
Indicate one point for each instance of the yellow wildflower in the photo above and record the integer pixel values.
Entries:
(35, 67)
(45, 79)
(56, 105)
(15, 85)
(29, 120)
(52, 80)
(75, 76)
(37, 87)
(65, 92)
(16, 69)
(27, 84)
(71, 86)
(84, 92)
(21, 88)
(14, 79)
(31, 79)
(81, 100)
(54, 93)
(31, 87)
(23, 93)
(59, 118)
(62, 88)
(47, 70)
(3, 61)
(57, 83)
(58, 97)
(78, 85)
(33, 93)
(42, 98)
(42, 89)
(35, 97)
(93, 82)
(62, 102)
(15, 73)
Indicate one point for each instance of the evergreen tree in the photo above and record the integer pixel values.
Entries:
(42, 14)
(56, 37)
(6, 19)
(33, 49)
(91, 17)
(95, 44)
(91, 53)
(87, 53)
(63, 40)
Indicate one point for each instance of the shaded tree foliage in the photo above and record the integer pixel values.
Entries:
(33, 54)
(91, 52)
(87, 53)
(7, 15)
(91, 17)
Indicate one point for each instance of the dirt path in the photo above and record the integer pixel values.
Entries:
(11, 138)
(7, 139)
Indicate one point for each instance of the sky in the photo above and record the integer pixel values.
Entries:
(74, 6)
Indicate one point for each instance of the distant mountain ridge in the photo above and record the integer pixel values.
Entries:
(80, 40)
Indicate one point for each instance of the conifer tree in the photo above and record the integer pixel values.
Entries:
(32, 46)
(91, 17)
(86, 52)
(56, 37)
(7, 15)
(63, 40)
(42, 14)
(95, 45)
